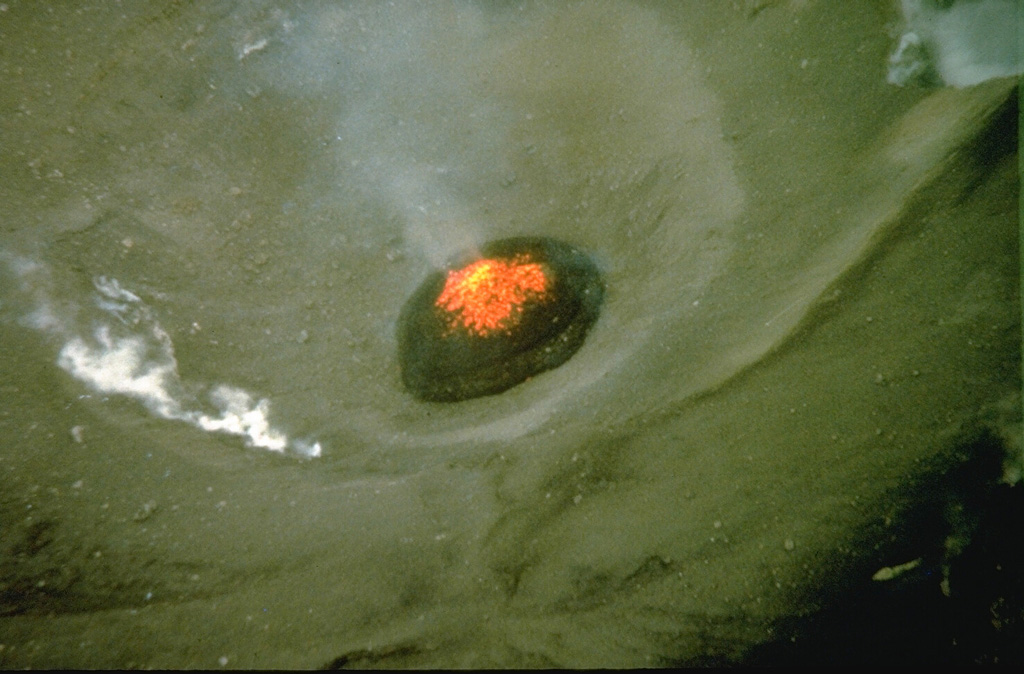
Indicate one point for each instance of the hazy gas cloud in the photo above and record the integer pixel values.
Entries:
(126, 352)
(959, 43)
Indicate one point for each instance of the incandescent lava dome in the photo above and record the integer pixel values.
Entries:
(496, 317)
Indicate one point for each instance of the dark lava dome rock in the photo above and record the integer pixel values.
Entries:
(497, 317)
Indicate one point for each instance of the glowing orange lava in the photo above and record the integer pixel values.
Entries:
(488, 295)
